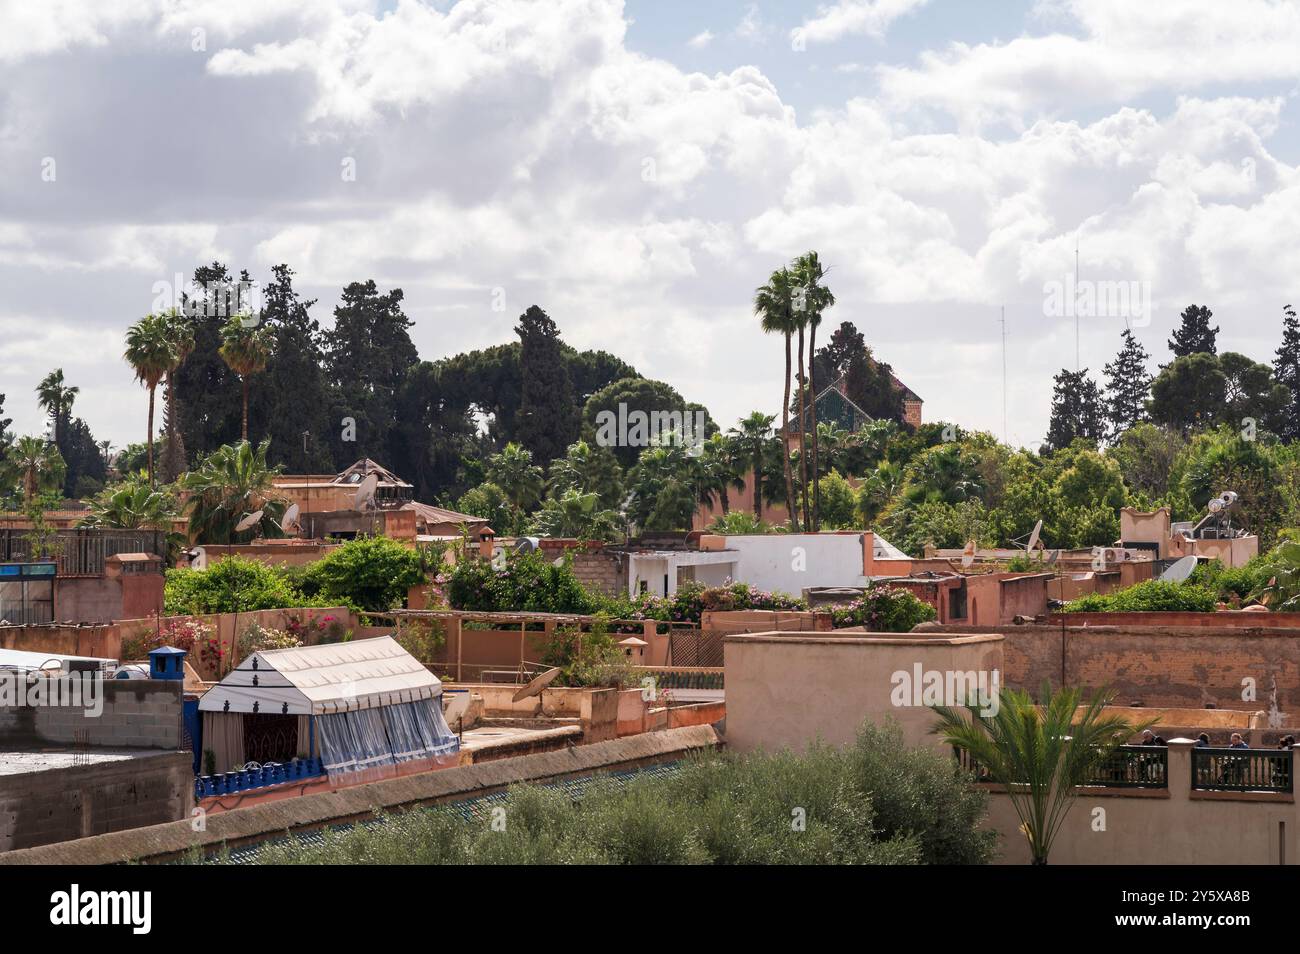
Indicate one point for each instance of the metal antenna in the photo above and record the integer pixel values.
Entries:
(1078, 364)
(1003, 319)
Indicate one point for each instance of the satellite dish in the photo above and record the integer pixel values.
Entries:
(365, 494)
(527, 544)
(1056, 555)
(250, 521)
(198, 559)
(536, 685)
(1179, 570)
(968, 554)
(1033, 537)
(289, 522)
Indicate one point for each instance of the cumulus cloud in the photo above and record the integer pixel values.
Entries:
(852, 18)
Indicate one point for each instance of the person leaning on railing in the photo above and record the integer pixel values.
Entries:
(1280, 766)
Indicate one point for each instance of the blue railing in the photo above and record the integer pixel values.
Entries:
(270, 773)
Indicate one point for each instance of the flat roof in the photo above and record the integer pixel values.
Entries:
(46, 760)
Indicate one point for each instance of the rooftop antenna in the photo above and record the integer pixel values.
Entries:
(1005, 440)
(1078, 364)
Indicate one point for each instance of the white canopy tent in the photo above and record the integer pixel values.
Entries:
(317, 680)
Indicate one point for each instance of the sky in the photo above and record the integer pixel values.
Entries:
(637, 168)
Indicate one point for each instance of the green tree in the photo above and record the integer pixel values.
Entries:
(1146, 453)
(663, 490)
(1189, 393)
(1252, 398)
(1076, 410)
(371, 573)
(515, 473)
(232, 483)
(150, 352)
(34, 466)
(246, 346)
(1127, 385)
(1286, 369)
(839, 503)
(774, 306)
(1194, 334)
(752, 435)
(55, 398)
(1038, 754)
(490, 502)
(131, 505)
(638, 395)
(548, 420)
(814, 299)
(721, 470)
(576, 514)
(587, 468)
(368, 354)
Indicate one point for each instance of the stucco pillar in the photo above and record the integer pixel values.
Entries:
(1180, 769)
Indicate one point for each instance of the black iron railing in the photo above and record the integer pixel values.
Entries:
(1242, 770)
(1133, 766)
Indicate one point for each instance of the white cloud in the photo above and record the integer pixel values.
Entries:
(852, 18)
(700, 40)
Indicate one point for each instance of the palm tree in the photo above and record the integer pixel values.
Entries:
(1038, 754)
(775, 309)
(56, 400)
(34, 464)
(246, 349)
(721, 466)
(801, 323)
(149, 352)
(131, 506)
(180, 332)
(227, 486)
(816, 299)
(515, 473)
(751, 436)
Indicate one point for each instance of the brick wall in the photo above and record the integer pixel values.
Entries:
(43, 807)
(136, 713)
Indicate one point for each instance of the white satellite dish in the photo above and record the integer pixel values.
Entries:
(289, 522)
(198, 559)
(968, 554)
(365, 495)
(1033, 537)
(1179, 570)
(250, 521)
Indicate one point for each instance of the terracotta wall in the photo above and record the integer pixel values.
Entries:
(103, 641)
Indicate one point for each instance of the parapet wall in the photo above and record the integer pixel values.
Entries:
(113, 713)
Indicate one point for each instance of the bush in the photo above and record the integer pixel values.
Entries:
(523, 582)
(232, 585)
(1151, 596)
(257, 638)
(884, 609)
(368, 573)
(591, 659)
(874, 802)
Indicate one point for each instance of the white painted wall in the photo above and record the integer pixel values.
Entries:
(788, 562)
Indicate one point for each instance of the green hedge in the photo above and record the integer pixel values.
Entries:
(1152, 596)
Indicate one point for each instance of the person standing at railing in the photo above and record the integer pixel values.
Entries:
(1280, 766)
(1202, 741)
(1237, 742)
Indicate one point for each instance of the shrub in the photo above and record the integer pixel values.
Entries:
(591, 659)
(231, 585)
(884, 609)
(525, 582)
(257, 638)
(1151, 596)
(369, 573)
(874, 802)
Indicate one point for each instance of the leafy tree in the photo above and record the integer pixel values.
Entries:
(1076, 410)
(1223, 460)
(1146, 454)
(436, 446)
(1281, 566)
(576, 514)
(548, 408)
(228, 485)
(1194, 335)
(232, 585)
(881, 486)
(180, 333)
(292, 403)
(663, 490)
(150, 352)
(1286, 369)
(131, 505)
(774, 306)
(1038, 754)
(246, 347)
(207, 393)
(1127, 385)
(515, 473)
(372, 573)
(6, 436)
(1252, 398)
(839, 503)
(720, 470)
(1189, 392)
(1149, 596)
(368, 354)
(644, 395)
(490, 502)
(86, 472)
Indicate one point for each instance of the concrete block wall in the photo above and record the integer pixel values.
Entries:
(136, 713)
(600, 571)
(44, 807)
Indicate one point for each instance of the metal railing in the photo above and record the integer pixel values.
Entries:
(1133, 766)
(1242, 770)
